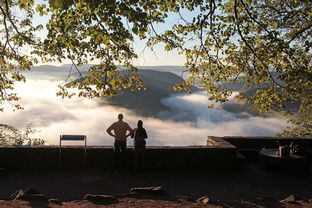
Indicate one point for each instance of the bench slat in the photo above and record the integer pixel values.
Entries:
(73, 137)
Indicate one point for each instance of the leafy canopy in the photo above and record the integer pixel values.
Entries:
(266, 45)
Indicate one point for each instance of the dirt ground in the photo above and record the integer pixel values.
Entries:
(152, 203)
(251, 186)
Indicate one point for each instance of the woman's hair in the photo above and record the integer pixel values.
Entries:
(140, 123)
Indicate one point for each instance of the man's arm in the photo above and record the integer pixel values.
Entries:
(132, 134)
(130, 131)
(109, 130)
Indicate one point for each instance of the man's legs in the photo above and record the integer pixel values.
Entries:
(123, 149)
(120, 154)
(117, 155)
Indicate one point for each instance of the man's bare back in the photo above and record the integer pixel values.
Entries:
(120, 129)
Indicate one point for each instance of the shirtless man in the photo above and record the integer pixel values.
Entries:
(120, 129)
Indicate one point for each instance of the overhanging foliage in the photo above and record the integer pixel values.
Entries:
(264, 44)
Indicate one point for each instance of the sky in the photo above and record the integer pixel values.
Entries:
(146, 57)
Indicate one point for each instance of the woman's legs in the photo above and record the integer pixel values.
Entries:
(142, 159)
(136, 158)
(139, 148)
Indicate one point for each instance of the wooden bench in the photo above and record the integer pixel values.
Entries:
(73, 138)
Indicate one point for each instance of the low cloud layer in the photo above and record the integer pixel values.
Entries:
(54, 116)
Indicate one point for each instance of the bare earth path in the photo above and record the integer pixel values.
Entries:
(230, 187)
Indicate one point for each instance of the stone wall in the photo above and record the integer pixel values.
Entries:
(250, 146)
(257, 143)
(47, 157)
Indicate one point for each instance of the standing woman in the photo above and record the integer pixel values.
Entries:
(139, 135)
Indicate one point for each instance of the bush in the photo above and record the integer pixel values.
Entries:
(10, 135)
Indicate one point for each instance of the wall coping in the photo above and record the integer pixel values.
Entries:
(111, 147)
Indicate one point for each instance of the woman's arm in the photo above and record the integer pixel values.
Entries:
(145, 134)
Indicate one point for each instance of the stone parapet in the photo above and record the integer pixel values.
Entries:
(162, 157)
(257, 143)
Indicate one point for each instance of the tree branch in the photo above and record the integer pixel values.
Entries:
(249, 46)
(299, 32)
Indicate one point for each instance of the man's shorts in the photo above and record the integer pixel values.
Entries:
(120, 145)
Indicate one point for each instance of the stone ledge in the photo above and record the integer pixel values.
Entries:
(47, 157)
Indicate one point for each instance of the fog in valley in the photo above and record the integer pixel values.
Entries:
(173, 119)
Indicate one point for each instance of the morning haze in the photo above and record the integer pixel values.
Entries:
(163, 110)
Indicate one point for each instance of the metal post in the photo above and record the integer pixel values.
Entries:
(73, 138)
(60, 152)
(85, 153)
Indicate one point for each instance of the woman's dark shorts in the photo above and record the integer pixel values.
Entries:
(139, 145)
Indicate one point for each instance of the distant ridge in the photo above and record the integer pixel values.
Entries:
(149, 103)
(158, 80)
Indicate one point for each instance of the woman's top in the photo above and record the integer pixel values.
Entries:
(139, 134)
